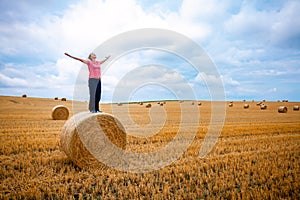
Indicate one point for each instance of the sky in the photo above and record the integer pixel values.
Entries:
(253, 45)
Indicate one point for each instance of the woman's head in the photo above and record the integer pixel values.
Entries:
(92, 56)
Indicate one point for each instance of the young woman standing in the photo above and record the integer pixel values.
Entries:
(94, 83)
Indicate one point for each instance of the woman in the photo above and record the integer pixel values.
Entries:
(94, 80)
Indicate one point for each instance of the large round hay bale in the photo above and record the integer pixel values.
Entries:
(64, 99)
(296, 108)
(230, 105)
(282, 109)
(263, 107)
(148, 105)
(83, 131)
(60, 112)
(24, 95)
(246, 106)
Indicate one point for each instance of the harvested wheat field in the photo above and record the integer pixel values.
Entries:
(257, 155)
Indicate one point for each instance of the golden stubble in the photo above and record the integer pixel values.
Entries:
(256, 156)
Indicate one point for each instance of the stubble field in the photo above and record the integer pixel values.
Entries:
(257, 155)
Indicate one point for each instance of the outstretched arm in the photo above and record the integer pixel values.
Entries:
(81, 60)
(105, 59)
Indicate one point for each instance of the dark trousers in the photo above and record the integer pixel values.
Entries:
(95, 94)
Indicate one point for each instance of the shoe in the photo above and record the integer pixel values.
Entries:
(93, 111)
(99, 111)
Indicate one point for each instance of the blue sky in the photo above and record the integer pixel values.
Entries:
(255, 45)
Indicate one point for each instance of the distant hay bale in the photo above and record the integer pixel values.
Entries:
(120, 104)
(246, 106)
(263, 107)
(244, 100)
(193, 103)
(63, 99)
(282, 109)
(296, 108)
(141, 103)
(60, 112)
(55, 98)
(199, 104)
(230, 105)
(24, 95)
(148, 105)
(86, 131)
(161, 104)
(258, 103)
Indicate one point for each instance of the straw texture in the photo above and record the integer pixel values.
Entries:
(282, 109)
(60, 112)
(89, 127)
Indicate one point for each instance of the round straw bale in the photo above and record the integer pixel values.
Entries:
(85, 131)
(141, 103)
(258, 103)
(199, 104)
(148, 105)
(161, 103)
(60, 112)
(24, 95)
(263, 106)
(55, 98)
(63, 99)
(246, 106)
(230, 105)
(296, 108)
(282, 109)
(120, 104)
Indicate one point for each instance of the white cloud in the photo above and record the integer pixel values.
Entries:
(12, 81)
(244, 41)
